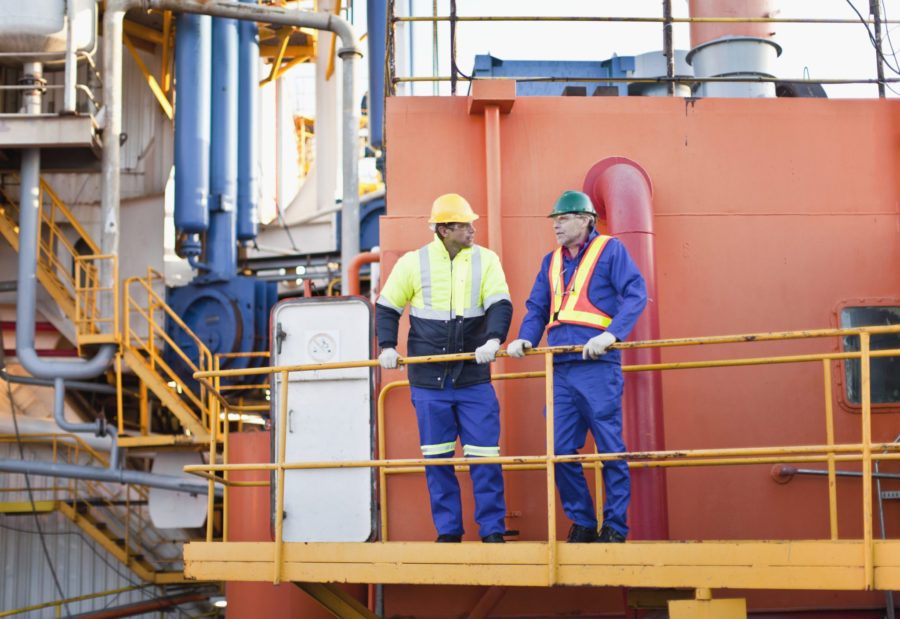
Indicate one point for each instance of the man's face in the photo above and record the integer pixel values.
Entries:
(570, 228)
(462, 235)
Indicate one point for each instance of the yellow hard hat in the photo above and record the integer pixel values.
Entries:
(451, 208)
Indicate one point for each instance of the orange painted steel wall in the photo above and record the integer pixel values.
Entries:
(769, 215)
(248, 521)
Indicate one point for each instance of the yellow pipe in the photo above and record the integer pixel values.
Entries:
(646, 20)
(59, 603)
(866, 389)
(829, 437)
(552, 559)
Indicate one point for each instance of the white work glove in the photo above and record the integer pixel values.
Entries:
(487, 352)
(597, 345)
(388, 358)
(517, 348)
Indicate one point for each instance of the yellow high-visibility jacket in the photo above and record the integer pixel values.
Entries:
(454, 306)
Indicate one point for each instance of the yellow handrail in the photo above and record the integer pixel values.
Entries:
(864, 451)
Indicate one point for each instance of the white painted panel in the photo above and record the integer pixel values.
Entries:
(329, 418)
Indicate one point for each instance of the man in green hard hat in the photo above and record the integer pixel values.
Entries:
(588, 292)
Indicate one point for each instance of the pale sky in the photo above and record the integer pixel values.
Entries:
(816, 50)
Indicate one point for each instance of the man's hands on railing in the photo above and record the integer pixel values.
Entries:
(389, 358)
(597, 345)
(487, 352)
(517, 348)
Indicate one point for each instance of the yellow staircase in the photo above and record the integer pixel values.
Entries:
(114, 516)
(69, 269)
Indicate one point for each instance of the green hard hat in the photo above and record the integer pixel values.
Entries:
(573, 202)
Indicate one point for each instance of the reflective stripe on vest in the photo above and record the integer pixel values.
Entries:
(572, 305)
(472, 310)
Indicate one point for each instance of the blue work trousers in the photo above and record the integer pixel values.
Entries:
(588, 396)
(471, 413)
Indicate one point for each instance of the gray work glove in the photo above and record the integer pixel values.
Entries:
(517, 348)
(487, 352)
(389, 358)
(597, 345)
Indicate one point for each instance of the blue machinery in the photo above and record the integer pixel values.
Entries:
(216, 182)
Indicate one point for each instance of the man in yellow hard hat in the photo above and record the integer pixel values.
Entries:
(458, 302)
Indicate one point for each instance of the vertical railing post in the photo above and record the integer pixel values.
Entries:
(217, 381)
(120, 412)
(551, 474)
(866, 400)
(668, 49)
(829, 437)
(382, 472)
(210, 499)
(875, 12)
(279, 490)
(389, 87)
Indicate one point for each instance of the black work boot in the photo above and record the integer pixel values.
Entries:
(609, 535)
(445, 538)
(581, 535)
(493, 538)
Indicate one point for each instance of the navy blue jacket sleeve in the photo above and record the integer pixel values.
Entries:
(628, 283)
(497, 319)
(387, 323)
(537, 307)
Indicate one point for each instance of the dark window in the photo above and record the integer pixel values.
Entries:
(885, 370)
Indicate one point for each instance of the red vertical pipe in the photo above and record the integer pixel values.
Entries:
(622, 193)
(492, 168)
(353, 286)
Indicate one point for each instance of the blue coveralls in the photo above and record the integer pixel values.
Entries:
(587, 395)
(455, 306)
(473, 414)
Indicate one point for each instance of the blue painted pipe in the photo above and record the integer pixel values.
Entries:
(221, 240)
(248, 131)
(192, 76)
(376, 22)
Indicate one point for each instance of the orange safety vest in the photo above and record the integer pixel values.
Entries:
(572, 305)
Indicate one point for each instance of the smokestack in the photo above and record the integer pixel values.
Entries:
(738, 49)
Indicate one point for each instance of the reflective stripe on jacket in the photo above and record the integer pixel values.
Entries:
(454, 306)
(571, 303)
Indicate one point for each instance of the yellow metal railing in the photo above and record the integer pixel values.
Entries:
(144, 332)
(865, 451)
(124, 504)
(91, 327)
(61, 262)
(58, 605)
(666, 20)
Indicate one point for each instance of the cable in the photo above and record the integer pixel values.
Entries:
(890, 41)
(872, 39)
(90, 545)
(37, 522)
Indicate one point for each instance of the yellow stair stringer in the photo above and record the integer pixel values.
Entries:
(140, 568)
(336, 601)
(9, 228)
(167, 395)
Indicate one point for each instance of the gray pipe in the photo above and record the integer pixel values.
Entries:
(98, 428)
(71, 65)
(349, 53)
(93, 473)
(29, 209)
(74, 385)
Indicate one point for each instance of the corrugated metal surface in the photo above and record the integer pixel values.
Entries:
(81, 565)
